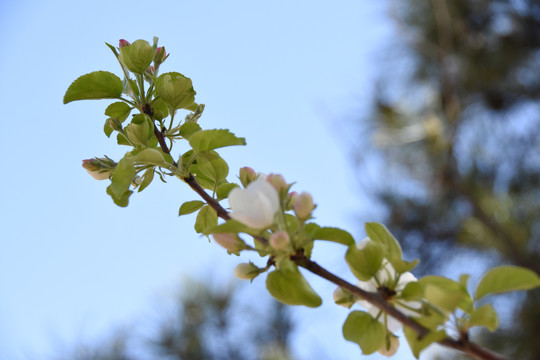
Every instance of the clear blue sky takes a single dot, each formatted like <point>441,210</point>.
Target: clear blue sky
<point>284,74</point>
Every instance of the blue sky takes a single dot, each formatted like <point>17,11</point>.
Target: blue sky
<point>286,75</point>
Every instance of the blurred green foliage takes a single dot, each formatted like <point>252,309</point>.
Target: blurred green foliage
<point>206,323</point>
<point>456,124</point>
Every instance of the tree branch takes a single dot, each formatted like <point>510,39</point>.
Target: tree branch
<point>464,345</point>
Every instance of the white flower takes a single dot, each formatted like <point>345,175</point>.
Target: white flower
<point>386,277</point>
<point>256,205</point>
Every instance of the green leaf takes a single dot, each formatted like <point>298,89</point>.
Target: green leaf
<point>118,110</point>
<point>107,129</point>
<point>484,316</point>
<point>188,129</point>
<point>379,233</point>
<point>445,293</point>
<point>121,180</point>
<point>231,226</point>
<point>361,328</point>
<point>94,86</point>
<point>417,345</point>
<point>138,56</point>
<point>140,130</point>
<point>122,140</point>
<point>147,178</point>
<point>211,165</point>
<point>190,206</point>
<point>505,279</point>
<point>223,190</point>
<point>175,90</point>
<point>334,234</point>
<point>206,219</point>
<point>149,156</point>
<point>364,263</point>
<point>288,285</point>
<point>212,139</point>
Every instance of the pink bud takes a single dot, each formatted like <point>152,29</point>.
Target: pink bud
<point>151,70</point>
<point>123,43</point>
<point>279,240</point>
<point>229,241</point>
<point>277,181</point>
<point>160,56</point>
<point>247,175</point>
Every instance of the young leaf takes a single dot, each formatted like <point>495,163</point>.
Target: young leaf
<point>147,178</point>
<point>379,233</point>
<point>93,86</point>
<point>364,263</point>
<point>210,164</point>
<point>505,279</point>
<point>417,345</point>
<point>288,285</point>
<point>138,56</point>
<point>118,110</point>
<point>212,139</point>
<point>206,219</point>
<point>223,190</point>
<point>190,206</point>
<point>445,293</point>
<point>121,180</point>
<point>334,234</point>
<point>188,129</point>
<point>361,328</point>
<point>484,316</point>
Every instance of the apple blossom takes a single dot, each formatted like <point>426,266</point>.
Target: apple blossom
<point>386,277</point>
<point>256,205</point>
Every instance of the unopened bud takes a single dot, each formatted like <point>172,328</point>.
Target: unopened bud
<point>279,240</point>
<point>343,298</point>
<point>123,43</point>
<point>246,271</point>
<point>391,346</point>
<point>277,181</point>
<point>115,124</point>
<point>160,56</point>
<point>99,168</point>
<point>230,241</point>
<point>303,205</point>
<point>247,175</point>
<point>151,70</point>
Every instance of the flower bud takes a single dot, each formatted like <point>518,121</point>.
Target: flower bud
<point>160,56</point>
<point>303,205</point>
<point>115,124</point>
<point>123,43</point>
<point>343,298</point>
<point>151,70</point>
<point>99,168</point>
<point>230,241</point>
<point>280,240</point>
<point>391,346</point>
<point>277,181</point>
<point>246,271</point>
<point>247,175</point>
